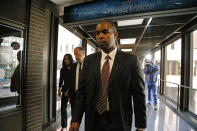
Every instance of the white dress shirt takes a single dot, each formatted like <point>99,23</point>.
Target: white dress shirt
<point>112,55</point>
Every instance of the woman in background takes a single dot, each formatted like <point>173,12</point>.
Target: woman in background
<point>65,83</point>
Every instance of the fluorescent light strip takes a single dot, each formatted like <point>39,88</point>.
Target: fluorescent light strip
<point>128,41</point>
<point>130,22</point>
<point>127,50</point>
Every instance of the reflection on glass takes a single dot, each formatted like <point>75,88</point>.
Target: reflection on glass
<point>157,58</point>
<point>173,69</point>
<point>192,93</point>
<point>90,49</point>
<point>11,42</point>
<point>194,41</point>
<point>67,41</point>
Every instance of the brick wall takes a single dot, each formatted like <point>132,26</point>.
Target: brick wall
<point>33,87</point>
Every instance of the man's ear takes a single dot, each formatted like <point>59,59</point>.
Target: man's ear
<point>116,35</point>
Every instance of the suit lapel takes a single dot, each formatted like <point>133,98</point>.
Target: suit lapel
<point>115,66</point>
<point>98,68</point>
<point>115,69</point>
<point>97,78</point>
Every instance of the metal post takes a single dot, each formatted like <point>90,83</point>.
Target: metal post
<point>178,99</point>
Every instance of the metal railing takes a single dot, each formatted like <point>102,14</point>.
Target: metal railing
<point>178,89</point>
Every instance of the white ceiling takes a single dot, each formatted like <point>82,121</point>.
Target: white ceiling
<point>58,2</point>
<point>64,3</point>
<point>67,2</point>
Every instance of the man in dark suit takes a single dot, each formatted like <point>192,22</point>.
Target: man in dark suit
<point>111,86</point>
<point>79,53</point>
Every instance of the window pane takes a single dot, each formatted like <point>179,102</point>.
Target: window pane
<point>157,59</point>
<point>90,49</point>
<point>173,69</point>
<point>67,41</point>
<point>11,45</point>
<point>192,93</point>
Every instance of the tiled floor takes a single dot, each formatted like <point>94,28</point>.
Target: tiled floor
<point>163,119</point>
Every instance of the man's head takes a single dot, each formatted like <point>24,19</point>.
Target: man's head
<point>79,53</point>
<point>106,35</point>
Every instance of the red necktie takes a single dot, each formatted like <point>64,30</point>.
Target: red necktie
<point>102,94</point>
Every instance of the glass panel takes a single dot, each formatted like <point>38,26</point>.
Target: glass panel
<point>157,59</point>
<point>192,93</point>
<point>90,49</point>
<point>11,45</point>
<point>67,41</point>
<point>173,69</point>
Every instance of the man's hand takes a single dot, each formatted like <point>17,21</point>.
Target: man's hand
<point>74,126</point>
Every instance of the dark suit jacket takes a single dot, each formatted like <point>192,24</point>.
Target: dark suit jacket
<point>71,91</point>
<point>126,85</point>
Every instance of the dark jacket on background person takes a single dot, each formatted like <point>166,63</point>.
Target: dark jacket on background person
<point>65,82</point>
<point>15,80</point>
<point>126,84</point>
<point>72,92</point>
<point>65,79</point>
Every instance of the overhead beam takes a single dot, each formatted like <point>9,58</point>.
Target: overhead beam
<point>150,19</point>
<point>134,45</point>
<point>89,36</point>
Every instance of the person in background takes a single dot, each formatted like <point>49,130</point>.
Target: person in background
<point>79,53</point>
<point>65,82</point>
<point>15,80</point>
<point>151,73</point>
<point>110,80</point>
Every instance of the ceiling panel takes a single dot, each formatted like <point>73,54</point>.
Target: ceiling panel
<point>180,19</point>
<point>147,41</point>
<point>147,36</point>
<point>90,28</point>
<point>130,32</point>
<point>162,31</point>
<point>58,2</point>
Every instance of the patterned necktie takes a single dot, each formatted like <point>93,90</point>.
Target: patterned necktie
<point>101,102</point>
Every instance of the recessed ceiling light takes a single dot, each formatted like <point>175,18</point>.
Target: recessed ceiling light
<point>130,22</point>
<point>127,50</point>
<point>128,41</point>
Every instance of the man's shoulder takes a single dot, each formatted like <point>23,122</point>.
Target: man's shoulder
<point>93,56</point>
<point>74,65</point>
<point>127,55</point>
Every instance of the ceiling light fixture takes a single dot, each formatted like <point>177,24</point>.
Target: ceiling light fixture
<point>130,22</point>
<point>127,50</point>
<point>128,41</point>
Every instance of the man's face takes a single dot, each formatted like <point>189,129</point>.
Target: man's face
<point>79,55</point>
<point>105,36</point>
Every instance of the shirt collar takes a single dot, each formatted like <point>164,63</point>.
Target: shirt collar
<point>112,54</point>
